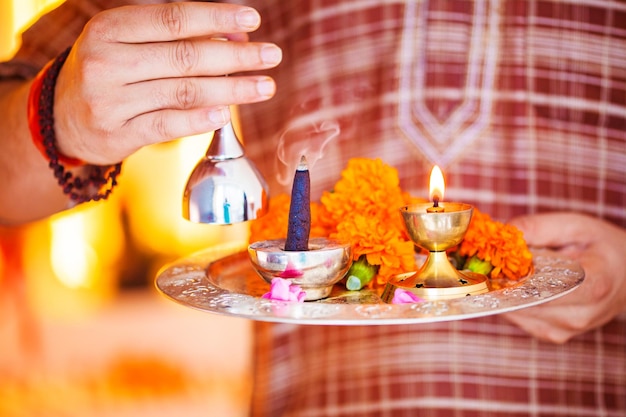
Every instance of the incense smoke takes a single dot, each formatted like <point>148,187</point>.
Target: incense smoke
<point>315,124</point>
<point>309,139</point>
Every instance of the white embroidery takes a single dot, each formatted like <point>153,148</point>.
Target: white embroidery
<point>442,139</point>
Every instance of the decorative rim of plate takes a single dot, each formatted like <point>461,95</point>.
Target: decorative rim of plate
<point>221,280</point>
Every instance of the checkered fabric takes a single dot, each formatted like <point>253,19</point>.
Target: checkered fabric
<point>479,367</point>
<point>522,104</point>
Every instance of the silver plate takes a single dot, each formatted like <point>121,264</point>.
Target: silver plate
<point>221,280</point>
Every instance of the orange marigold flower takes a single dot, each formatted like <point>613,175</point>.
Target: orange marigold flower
<point>500,244</point>
<point>367,187</point>
<point>382,245</point>
<point>319,228</point>
<point>364,206</point>
<point>274,224</point>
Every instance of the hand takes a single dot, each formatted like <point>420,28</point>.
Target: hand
<point>600,248</point>
<point>139,75</point>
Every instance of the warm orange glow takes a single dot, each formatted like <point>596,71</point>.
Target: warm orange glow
<point>17,15</point>
<point>72,261</point>
<point>437,184</point>
<point>72,258</point>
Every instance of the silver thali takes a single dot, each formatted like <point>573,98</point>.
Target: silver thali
<point>221,280</point>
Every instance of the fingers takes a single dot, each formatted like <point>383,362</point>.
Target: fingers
<point>552,229</point>
<point>160,115</point>
<point>175,123</point>
<point>193,58</point>
<point>173,108</point>
<point>559,320</point>
<point>539,328</point>
<point>183,94</point>
<point>156,127</point>
<point>145,74</point>
<point>172,21</point>
<point>556,321</point>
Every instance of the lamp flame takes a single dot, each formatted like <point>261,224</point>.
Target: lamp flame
<point>437,184</point>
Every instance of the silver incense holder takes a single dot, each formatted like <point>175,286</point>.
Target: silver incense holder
<point>315,270</point>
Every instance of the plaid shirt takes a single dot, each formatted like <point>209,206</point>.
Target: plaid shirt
<point>523,105</point>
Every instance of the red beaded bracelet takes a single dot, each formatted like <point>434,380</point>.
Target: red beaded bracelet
<point>100,180</point>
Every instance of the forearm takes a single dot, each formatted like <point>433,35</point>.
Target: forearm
<point>28,188</point>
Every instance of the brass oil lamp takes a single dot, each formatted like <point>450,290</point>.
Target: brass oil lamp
<point>437,227</point>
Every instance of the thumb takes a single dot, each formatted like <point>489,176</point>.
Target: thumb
<point>552,230</point>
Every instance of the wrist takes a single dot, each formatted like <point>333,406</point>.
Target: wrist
<point>40,96</point>
<point>97,182</point>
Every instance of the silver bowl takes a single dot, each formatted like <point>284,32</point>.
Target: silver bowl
<point>316,271</point>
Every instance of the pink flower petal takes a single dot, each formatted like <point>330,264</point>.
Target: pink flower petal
<point>284,290</point>
<point>401,296</point>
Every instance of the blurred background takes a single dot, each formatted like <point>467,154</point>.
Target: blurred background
<point>83,331</point>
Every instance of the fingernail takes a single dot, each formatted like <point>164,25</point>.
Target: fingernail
<point>265,87</point>
<point>248,18</point>
<point>271,54</point>
<point>219,116</point>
